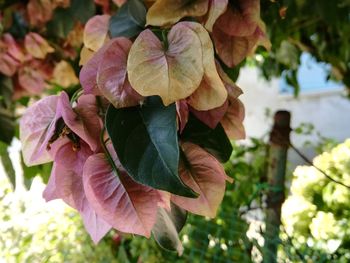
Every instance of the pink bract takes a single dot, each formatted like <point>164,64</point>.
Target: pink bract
<point>126,205</point>
<point>112,78</point>
<point>66,183</point>
<point>205,176</point>
<point>240,21</point>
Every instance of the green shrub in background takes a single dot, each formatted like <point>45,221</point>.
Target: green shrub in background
<point>317,213</point>
<point>31,233</point>
<point>316,219</point>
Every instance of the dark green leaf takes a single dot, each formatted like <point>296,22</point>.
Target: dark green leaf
<point>167,227</point>
<point>61,24</point>
<point>7,126</point>
<point>145,139</point>
<point>232,73</point>
<point>130,19</point>
<point>215,141</point>
<point>82,10</point>
<point>6,92</point>
<point>64,18</point>
<point>7,163</point>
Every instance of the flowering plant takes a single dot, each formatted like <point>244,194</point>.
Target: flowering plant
<point>143,141</point>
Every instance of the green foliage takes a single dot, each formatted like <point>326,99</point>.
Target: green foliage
<point>44,233</point>
<point>318,210</point>
<point>145,139</point>
<point>320,28</point>
<point>130,19</point>
<point>7,120</point>
<point>215,141</point>
<point>7,163</point>
<point>224,238</point>
<point>64,18</point>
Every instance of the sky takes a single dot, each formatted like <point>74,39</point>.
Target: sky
<point>312,76</point>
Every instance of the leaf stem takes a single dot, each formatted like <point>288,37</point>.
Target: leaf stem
<point>107,153</point>
<point>165,40</point>
<point>76,95</point>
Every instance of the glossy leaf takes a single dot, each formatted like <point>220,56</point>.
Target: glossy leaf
<point>177,69</point>
<point>214,141</point>
<point>126,205</point>
<point>129,21</point>
<point>167,227</point>
<point>168,12</point>
<point>202,172</point>
<point>145,139</point>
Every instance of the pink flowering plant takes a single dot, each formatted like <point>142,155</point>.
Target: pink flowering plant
<point>143,141</point>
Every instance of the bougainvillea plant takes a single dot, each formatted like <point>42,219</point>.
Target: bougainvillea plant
<point>142,142</point>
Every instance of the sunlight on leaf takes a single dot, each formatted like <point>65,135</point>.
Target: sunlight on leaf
<point>177,70</point>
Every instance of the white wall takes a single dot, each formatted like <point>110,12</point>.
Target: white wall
<point>328,111</point>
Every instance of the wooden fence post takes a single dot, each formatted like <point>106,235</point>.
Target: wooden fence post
<point>277,161</point>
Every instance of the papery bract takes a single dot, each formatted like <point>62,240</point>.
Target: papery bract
<point>64,75</point>
<point>66,183</point>
<point>232,50</point>
<point>241,18</point>
<point>168,12</point>
<point>37,46</point>
<point>10,55</point>
<point>34,124</point>
<point>211,117</point>
<point>12,48</point>
<point>172,72</point>
<point>31,79</point>
<point>112,79</point>
<point>96,32</point>
<point>126,205</point>
<point>216,9</point>
<point>85,55</point>
<point>8,65</point>
<point>232,121</point>
<point>211,92</point>
<point>83,120</point>
<point>39,11</point>
<point>205,175</point>
<point>182,114</point>
<point>88,73</point>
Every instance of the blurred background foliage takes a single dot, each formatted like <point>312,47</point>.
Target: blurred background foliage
<point>320,28</point>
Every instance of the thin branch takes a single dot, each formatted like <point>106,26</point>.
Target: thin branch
<point>307,160</point>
